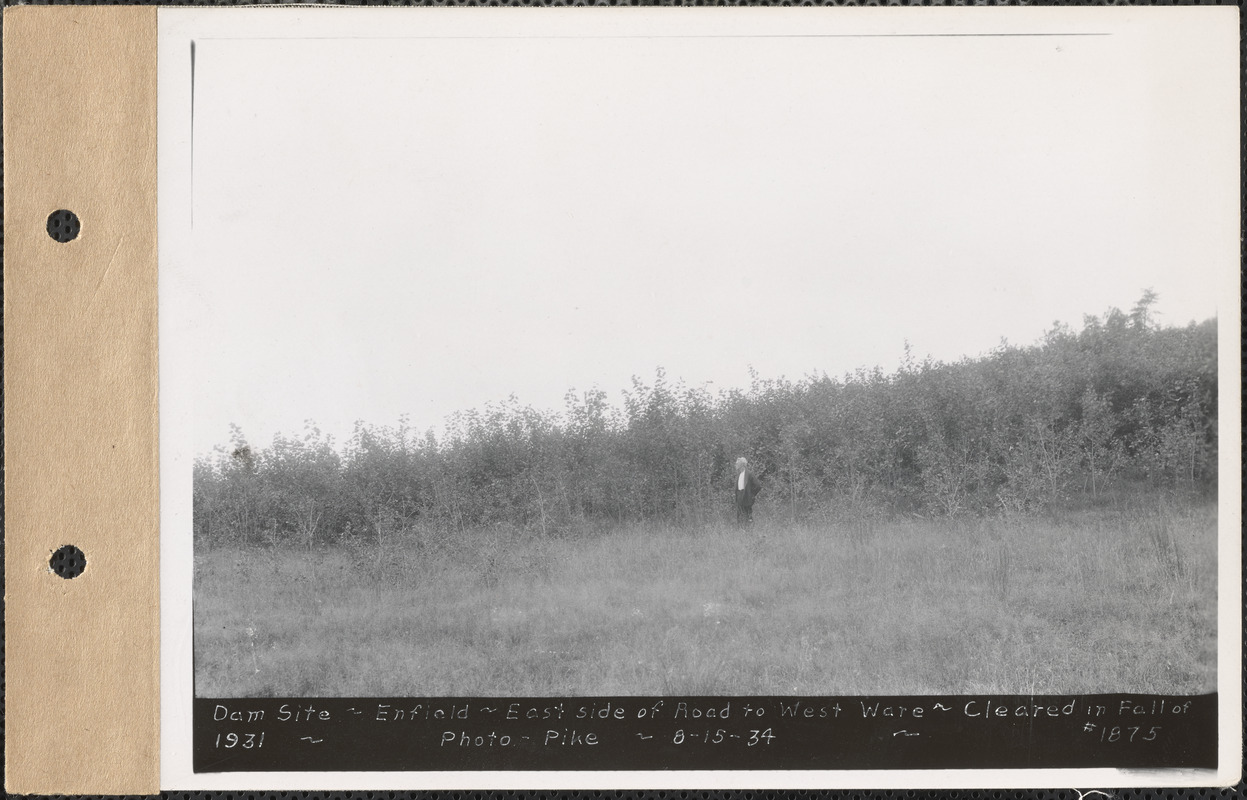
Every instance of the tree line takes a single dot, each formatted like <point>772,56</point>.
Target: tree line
<point>1123,402</point>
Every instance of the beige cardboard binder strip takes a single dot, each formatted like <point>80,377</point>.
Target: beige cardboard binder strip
<point>80,389</point>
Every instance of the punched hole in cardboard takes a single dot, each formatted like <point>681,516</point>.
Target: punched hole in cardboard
<point>63,225</point>
<point>68,562</point>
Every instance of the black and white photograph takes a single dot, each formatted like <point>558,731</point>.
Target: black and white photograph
<point>635,365</point>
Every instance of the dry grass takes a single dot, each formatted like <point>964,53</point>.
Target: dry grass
<point>1090,601</point>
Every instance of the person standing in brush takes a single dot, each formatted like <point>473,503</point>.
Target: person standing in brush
<point>747,488</point>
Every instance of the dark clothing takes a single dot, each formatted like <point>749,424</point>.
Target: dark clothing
<point>744,497</point>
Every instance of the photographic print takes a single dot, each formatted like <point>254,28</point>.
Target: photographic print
<point>705,372</point>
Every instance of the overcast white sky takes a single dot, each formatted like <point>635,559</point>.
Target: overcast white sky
<point>424,225</point>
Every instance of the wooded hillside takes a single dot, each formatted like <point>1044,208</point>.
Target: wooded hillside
<point>1122,402</point>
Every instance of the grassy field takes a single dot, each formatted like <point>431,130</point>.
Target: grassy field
<point>1077,602</point>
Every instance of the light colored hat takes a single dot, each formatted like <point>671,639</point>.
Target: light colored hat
<point>741,462</point>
